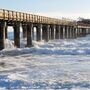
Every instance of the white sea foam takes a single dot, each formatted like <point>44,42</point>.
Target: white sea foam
<point>57,64</point>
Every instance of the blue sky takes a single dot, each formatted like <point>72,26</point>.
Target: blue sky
<point>54,8</point>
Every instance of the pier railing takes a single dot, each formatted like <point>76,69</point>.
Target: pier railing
<point>25,17</point>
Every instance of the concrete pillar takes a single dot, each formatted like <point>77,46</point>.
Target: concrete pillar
<point>78,32</point>
<point>2,35</point>
<point>88,30</point>
<point>52,31</point>
<point>83,32</point>
<point>69,32</point>
<point>72,32</point>
<point>49,33</point>
<point>57,32</point>
<point>45,29</point>
<point>24,27</point>
<point>61,32</point>
<point>75,33</point>
<point>29,34</point>
<point>33,33</point>
<point>17,34</point>
<point>66,31</point>
<point>43,33</point>
<point>38,32</point>
<point>6,32</point>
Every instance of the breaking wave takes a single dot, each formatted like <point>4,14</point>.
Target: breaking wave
<point>54,65</point>
<point>80,46</point>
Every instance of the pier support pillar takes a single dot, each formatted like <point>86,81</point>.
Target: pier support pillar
<point>75,33</point>
<point>24,31</point>
<point>65,32</point>
<point>83,32</point>
<point>2,35</point>
<point>6,32</point>
<point>45,34</point>
<point>38,32</point>
<point>78,32</point>
<point>52,31</point>
<point>57,32</point>
<point>72,32</point>
<point>69,32</point>
<point>61,32</point>
<point>33,34</point>
<point>49,33</point>
<point>17,34</point>
<point>88,30</point>
<point>29,34</point>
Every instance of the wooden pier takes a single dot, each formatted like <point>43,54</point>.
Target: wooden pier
<point>46,28</point>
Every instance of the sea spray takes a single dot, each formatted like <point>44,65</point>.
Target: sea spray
<point>57,64</point>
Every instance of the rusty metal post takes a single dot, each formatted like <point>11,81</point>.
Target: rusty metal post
<point>2,34</point>
<point>17,34</point>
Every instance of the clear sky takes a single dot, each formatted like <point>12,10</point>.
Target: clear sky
<point>54,8</point>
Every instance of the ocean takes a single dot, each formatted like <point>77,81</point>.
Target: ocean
<point>55,65</point>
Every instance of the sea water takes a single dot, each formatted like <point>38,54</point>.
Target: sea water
<point>54,65</point>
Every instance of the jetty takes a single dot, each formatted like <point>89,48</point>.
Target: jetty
<point>47,28</point>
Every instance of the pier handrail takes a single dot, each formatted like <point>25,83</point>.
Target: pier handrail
<point>26,17</point>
